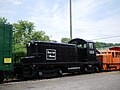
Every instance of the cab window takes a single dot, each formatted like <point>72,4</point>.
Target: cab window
<point>91,46</point>
<point>117,54</point>
<point>82,45</point>
<point>112,54</point>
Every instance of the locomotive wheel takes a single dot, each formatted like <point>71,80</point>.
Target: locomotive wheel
<point>60,73</point>
<point>86,69</point>
<point>40,74</point>
<point>1,76</point>
<point>97,69</point>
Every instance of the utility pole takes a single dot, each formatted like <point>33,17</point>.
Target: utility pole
<point>70,20</point>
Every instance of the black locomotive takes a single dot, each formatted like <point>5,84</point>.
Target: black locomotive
<point>44,58</point>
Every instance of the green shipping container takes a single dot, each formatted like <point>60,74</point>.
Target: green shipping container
<point>6,63</point>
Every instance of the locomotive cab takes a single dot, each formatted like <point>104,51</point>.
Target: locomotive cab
<point>86,49</point>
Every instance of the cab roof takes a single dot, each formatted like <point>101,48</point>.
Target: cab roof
<point>80,40</point>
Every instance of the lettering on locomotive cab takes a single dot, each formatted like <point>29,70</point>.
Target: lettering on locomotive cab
<point>50,54</point>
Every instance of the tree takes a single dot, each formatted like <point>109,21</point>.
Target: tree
<point>103,45</point>
<point>98,45</point>
<point>3,20</point>
<point>22,31</point>
<point>40,35</point>
<point>65,40</point>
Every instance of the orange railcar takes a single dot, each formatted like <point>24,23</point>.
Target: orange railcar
<point>110,59</point>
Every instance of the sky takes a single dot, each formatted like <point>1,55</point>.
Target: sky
<point>97,20</point>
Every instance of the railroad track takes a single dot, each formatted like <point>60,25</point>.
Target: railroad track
<point>52,77</point>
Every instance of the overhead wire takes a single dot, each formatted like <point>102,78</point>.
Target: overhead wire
<point>107,37</point>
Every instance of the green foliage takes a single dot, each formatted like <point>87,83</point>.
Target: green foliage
<point>22,31</point>
<point>103,45</point>
<point>40,35</point>
<point>18,51</point>
<point>3,20</point>
<point>65,40</point>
